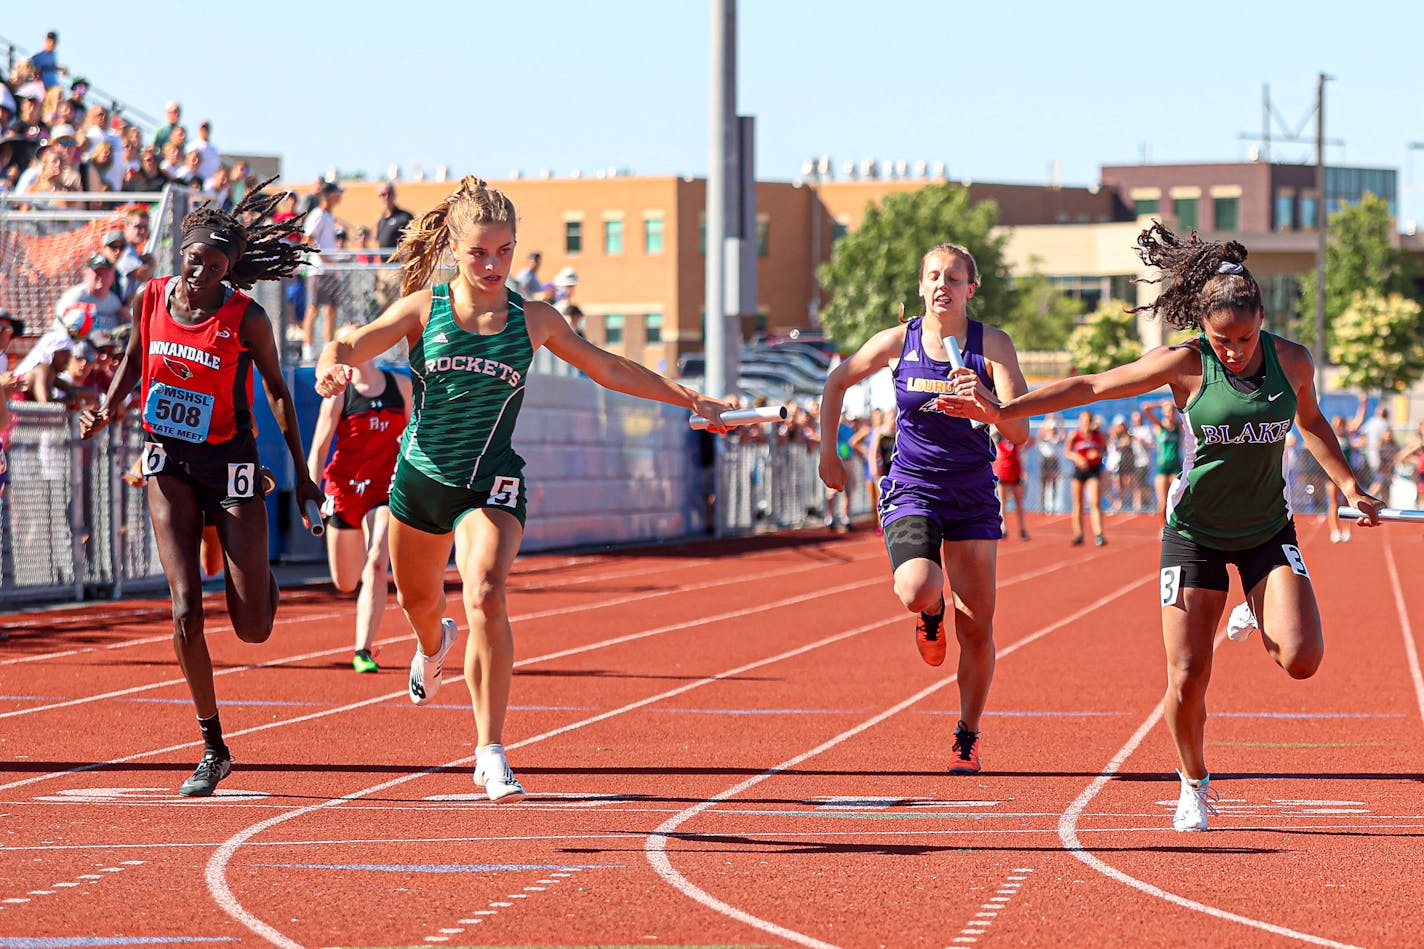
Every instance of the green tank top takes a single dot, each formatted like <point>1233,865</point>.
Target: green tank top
<point>1231,494</point>
<point>466,391</point>
<point>1169,449</point>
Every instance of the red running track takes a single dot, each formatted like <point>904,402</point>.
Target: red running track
<point>730,744</point>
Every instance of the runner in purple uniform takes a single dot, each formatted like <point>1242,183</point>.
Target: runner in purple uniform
<point>937,502</point>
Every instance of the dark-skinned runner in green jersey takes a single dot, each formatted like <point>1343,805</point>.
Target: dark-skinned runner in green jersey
<point>1240,391</point>
<point>459,480</point>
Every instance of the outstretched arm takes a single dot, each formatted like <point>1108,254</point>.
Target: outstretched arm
<point>548,328</point>
<point>403,319</point>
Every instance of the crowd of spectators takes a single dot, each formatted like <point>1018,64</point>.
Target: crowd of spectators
<point>54,140</point>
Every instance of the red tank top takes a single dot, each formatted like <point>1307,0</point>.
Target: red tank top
<point>368,436</point>
<point>1007,466</point>
<point>196,379</point>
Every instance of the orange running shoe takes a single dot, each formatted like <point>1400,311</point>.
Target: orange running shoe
<point>929,636</point>
<point>965,759</point>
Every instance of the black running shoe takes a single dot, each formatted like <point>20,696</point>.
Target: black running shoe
<point>212,769</point>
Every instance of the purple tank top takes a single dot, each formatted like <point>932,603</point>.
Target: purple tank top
<point>928,443</point>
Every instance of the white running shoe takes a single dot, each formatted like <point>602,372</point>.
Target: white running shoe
<point>1241,623</point>
<point>425,671</point>
<point>493,774</point>
<point>1194,803</point>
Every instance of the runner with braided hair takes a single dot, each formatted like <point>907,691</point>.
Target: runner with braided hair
<point>196,337</point>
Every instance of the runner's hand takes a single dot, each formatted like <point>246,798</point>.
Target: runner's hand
<point>91,421</point>
<point>332,380</point>
<point>711,409</point>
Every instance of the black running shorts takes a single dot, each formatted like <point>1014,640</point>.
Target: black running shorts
<point>1186,563</point>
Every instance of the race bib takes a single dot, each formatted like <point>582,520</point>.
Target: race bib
<point>505,491</point>
<point>178,413</point>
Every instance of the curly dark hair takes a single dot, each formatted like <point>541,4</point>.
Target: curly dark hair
<point>263,251</point>
<point>1198,277</point>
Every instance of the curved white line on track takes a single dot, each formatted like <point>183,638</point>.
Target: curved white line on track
<point>216,873</point>
<point>1068,834</point>
<point>656,847</point>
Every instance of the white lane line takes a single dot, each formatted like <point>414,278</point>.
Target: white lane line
<point>394,608</point>
<point>656,847</point>
<point>1405,627</point>
<point>547,657</point>
<point>216,873</point>
<point>342,650</point>
<point>1068,834</point>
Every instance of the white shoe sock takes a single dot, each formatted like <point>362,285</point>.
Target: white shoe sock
<point>492,772</point>
<point>1241,623</point>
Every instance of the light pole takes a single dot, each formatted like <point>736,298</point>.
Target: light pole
<point>1320,219</point>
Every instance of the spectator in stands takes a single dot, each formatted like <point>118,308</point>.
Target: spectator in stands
<point>192,160</point>
<point>312,199</point>
<point>128,158</point>
<point>240,179</point>
<point>135,234</point>
<point>95,130</point>
<point>94,294</point>
<point>150,175</point>
<point>78,89</point>
<point>173,162</point>
<point>14,156</point>
<point>179,137</point>
<point>11,326</point>
<point>565,282</point>
<point>28,121</point>
<point>112,247</point>
<point>527,283</point>
<point>574,316</point>
<point>41,373</point>
<point>210,159</point>
<point>320,231</point>
<point>393,218</point>
<point>46,61</point>
<point>161,134</point>
<point>50,173</point>
<point>1387,454</point>
<point>7,108</point>
<point>220,187</point>
<point>287,211</point>
<point>364,242</point>
<point>25,80</point>
<point>98,173</point>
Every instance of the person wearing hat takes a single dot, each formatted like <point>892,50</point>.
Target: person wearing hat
<point>320,230</point>
<point>40,376</point>
<point>96,289</point>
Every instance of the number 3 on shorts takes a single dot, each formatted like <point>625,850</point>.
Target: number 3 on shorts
<point>240,479</point>
<point>504,491</point>
<point>1171,582</point>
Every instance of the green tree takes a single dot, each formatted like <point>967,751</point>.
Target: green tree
<point>1378,342</point>
<point>1043,317</point>
<point>1360,256</point>
<point>1107,338</point>
<point>875,269</point>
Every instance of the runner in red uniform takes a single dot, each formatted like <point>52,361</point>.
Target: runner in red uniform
<point>367,422</point>
<point>1008,468</point>
<point>196,337</point>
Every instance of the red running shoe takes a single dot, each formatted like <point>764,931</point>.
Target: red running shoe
<point>929,636</point>
<point>965,757</point>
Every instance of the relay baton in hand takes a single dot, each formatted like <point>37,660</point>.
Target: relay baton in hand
<point>735,417</point>
<point>314,522</point>
<point>1384,513</point>
<point>956,359</point>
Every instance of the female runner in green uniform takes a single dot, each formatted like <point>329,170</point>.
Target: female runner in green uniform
<point>471,343</point>
<point>1239,390</point>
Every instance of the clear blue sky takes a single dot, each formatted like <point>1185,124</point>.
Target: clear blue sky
<point>998,91</point>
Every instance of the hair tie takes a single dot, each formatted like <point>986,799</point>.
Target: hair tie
<point>1230,267</point>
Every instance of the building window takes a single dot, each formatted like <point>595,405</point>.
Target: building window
<point>1285,211</point>
<point>838,230</point>
<point>702,235</point>
<point>1308,212</point>
<point>573,237</point>
<point>652,235</point>
<point>1144,207</point>
<point>613,236</point>
<point>613,329</point>
<point>653,328</point>
<point>1228,213</point>
<point>1186,209</point>
<point>763,235</point>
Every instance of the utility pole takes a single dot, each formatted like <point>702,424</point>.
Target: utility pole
<point>1320,219</point>
<point>720,379</point>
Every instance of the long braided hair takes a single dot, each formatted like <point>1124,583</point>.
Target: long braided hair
<point>1198,277</point>
<point>260,250</point>
<point>426,239</point>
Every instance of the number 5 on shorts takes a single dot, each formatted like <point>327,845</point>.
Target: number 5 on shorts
<point>505,491</point>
